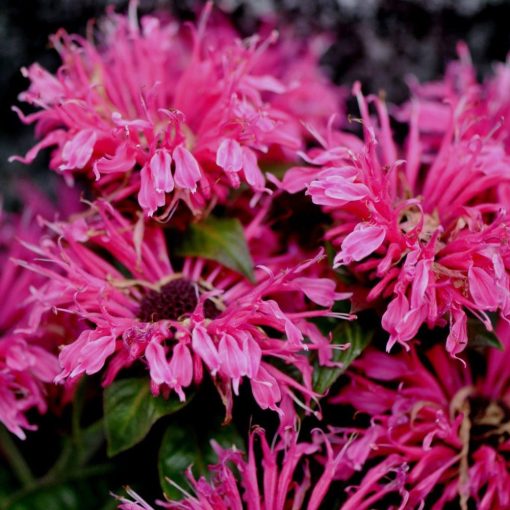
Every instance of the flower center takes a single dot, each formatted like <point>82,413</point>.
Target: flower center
<point>490,422</point>
<point>174,300</point>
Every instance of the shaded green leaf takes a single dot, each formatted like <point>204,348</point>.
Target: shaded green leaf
<point>130,410</point>
<point>221,240</point>
<point>78,490</point>
<point>183,447</point>
<point>480,337</point>
<point>345,332</point>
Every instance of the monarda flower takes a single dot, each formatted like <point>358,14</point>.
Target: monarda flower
<point>278,479</point>
<point>439,433</point>
<point>169,112</point>
<point>430,235</point>
<point>183,315</point>
<point>485,105</point>
<point>26,364</point>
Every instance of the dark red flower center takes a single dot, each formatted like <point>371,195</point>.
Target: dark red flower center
<point>174,300</point>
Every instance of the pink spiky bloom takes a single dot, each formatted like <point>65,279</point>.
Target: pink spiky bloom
<point>170,112</point>
<point>440,433</point>
<point>429,231</point>
<point>26,365</point>
<point>182,317</point>
<point>485,104</point>
<point>278,479</point>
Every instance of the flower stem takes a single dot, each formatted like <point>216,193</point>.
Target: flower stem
<point>14,458</point>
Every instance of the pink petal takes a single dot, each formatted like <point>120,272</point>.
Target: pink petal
<point>420,283</point>
<point>181,367</point>
<point>266,390</point>
<point>297,178</point>
<point>204,346</point>
<point>77,151</point>
<point>457,338</point>
<point>360,243</point>
<point>122,161</point>
<point>161,172</point>
<point>483,288</point>
<point>319,290</point>
<point>158,365</point>
<point>253,355</point>
<point>148,198</point>
<point>229,156</point>
<point>187,170</point>
<point>233,360</point>
<point>253,174</point>
<point>346,190</point>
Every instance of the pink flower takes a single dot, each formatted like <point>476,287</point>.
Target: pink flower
<point>172,112</point>
<point>278,478</point>
<point>181,316</point>
<point>442,427</point>
<point>428,233</point>
<point>26,361</point>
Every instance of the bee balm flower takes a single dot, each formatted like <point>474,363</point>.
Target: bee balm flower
<point>429,235</point>
<point>442,427</point>
<point>170,112</point>
<point>279,480</point>
<point>180,316</point>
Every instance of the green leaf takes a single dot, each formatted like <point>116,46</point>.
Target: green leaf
<point>479,337</point>
<point>183,447</point>
<point>130,410</point>
<point>77,489</point>
<point>219,239</point>
<point>345,332</point>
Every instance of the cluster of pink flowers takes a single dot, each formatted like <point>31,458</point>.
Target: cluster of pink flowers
<point>187,142</point>
<point>442,429</point>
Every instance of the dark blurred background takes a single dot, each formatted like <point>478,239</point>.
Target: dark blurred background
<point>377,41</point>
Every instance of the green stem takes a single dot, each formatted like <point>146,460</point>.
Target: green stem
<point>14,458</point>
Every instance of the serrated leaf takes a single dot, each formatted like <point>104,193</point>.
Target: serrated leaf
<point>345,332</point>
<point>221,240</point>
<point>183,447</point>
<point>480,337</point>
<point>130,410</point>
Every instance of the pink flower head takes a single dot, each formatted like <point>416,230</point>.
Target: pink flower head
<point>171,112</point>
<point>180,316</point>
<point>26,364</point>
<point>485,106</point>
<point>428,232</point>
<point>439,432</point>
<point>277,479</point>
